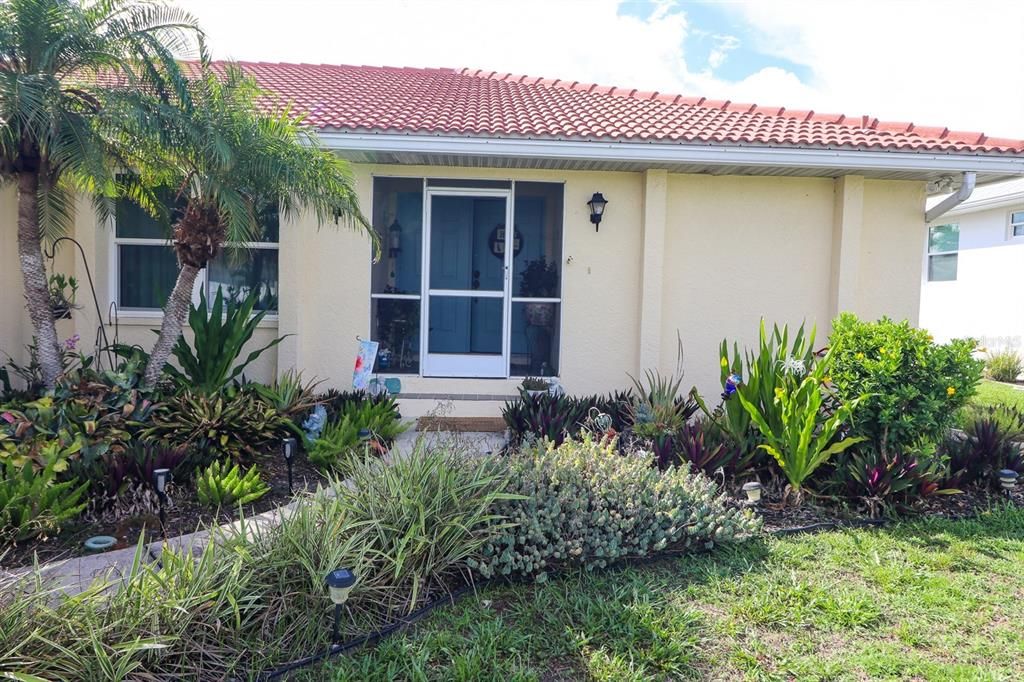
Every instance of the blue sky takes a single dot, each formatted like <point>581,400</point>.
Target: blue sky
<point>719,40</point>
<point>932,62</point>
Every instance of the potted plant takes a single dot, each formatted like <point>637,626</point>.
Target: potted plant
<point>536,386</point>
<point>63,291</point>
<point>539,280</point>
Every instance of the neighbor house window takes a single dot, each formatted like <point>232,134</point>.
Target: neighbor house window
<point>147,267</point>
<point>1017,224</point>
<point>943,244</point>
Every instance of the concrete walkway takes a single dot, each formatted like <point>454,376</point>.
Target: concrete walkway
<point>74,575</point>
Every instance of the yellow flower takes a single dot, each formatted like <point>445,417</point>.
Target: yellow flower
<point>725,362</point>
<point>779,393</point>
<point>930,338</point>
<point>860,356</point>
<point>950,391</point>
<point>882,351</point>
<point>828,380</point>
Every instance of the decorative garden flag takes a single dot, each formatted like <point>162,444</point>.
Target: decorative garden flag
<point>364,364</point>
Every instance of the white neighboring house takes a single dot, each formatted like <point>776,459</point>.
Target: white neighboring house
<point>973,275</point>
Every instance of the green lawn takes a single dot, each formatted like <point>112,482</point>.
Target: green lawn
<point>931,600</point>
<point>993,392</point>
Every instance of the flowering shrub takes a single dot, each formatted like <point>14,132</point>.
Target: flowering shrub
<point>581,504</point>
<point>914,387</point>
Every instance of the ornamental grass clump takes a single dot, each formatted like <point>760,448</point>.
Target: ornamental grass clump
<point>582,504</point>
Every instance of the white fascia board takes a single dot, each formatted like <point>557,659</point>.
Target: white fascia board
<point>670,153</point>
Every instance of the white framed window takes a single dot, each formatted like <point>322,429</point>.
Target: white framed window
<point>943,248</point>
<point>145,267</point>
<point>1016,230</point>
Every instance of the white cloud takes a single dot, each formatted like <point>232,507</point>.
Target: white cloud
<point>723,46</point>
<point>936,63</point>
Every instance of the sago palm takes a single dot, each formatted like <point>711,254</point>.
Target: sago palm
<point>56,138</point>
<point>225,161</point>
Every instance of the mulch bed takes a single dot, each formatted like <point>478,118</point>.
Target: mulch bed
<point>183,515</point>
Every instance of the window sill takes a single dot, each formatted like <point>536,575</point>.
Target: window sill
<point>141,318</point>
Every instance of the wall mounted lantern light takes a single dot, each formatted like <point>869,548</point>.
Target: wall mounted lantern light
<point>597,204</point>
<point>394,238</point>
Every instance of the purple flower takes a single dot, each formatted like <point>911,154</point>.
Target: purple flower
<point>71,342</point>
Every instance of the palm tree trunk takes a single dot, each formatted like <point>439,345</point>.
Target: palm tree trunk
<point>33,274</point>
<point>175,314</point>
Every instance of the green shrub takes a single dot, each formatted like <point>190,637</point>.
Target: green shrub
<point>913,386</point>
<point>208,365</point>
<point>237,425</point>
<point>220,486</point>
<point>32,502</point>
<point>582,505</point>
<point>1004,365</point>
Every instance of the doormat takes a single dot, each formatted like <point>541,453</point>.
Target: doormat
<point>487,424</point>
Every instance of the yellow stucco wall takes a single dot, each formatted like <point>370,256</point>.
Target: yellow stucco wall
<point>735,249</point>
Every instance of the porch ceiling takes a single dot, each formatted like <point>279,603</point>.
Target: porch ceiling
<point>581,155</point>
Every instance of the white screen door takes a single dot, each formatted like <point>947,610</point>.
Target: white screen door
<point>466,266</point>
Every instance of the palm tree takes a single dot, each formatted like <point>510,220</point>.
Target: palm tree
<point>225,162</point>
<point>55,137</point>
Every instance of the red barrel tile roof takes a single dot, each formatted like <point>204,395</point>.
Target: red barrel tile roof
<point>484,103</point>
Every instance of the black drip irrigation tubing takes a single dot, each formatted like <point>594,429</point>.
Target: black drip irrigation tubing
<point>829,525</point>
<point>372,637</point>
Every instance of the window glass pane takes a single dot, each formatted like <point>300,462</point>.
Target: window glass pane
<point>467,243</point>
<point>942,268</point>
<point>943,238</point>
<point>396,325</point>
<point>147,275</point>
<point>535,330</point>
<point>463,324</point>
<point>1017,217</point>
<point>398,219</point>
<point>131,221</point>
<point>537,263</point>
<point>1018,230</point>
<point>238,272</point>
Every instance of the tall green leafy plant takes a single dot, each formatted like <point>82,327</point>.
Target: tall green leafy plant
<point>799,433</point>
<point>208,365</point>
<point>755,374</point>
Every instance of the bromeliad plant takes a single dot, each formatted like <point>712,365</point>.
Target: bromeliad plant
<point>208,365</point>
<point>799,433</point>
<point>219,486</point>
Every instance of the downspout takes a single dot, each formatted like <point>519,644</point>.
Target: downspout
<point>954,199</point>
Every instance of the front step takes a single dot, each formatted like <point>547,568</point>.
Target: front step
<point>452,405</point>
<point>461,424</point>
